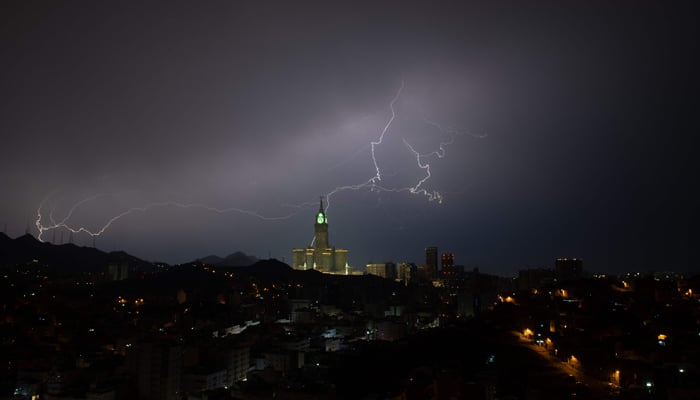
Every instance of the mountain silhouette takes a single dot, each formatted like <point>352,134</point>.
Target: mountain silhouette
<point>210,260</point>
<point>28,251</point>
<point>237,259</point>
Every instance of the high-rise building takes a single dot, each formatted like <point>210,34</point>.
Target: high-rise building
<point>447,260</point>
<point>321,256</point>
<point>431,262</point>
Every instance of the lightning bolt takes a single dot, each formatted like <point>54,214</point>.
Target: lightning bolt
<point>371,182</point>
<point>374,184</point>
<point>378,176</point>
<point>97,232</point>
<point>426,167</point>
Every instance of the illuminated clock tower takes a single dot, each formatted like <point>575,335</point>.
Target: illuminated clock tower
<point>320,255</point>
<point>321,228</point>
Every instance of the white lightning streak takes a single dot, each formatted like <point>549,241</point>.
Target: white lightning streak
<point>373,184</point>
<point>378,177</point>
<point>426,167</point>
<point>62,224</point>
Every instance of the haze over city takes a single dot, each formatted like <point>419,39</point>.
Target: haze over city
<point>550,130</point>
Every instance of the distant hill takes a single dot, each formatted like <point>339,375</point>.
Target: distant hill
<point>211,260</point>
<point>68,258</point>
<point>237,259</point>
<point>27,250</point>
<point>270,270</point>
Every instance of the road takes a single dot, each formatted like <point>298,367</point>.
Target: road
<point>599,389</point>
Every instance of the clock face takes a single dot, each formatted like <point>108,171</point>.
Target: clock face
<point>320,218</point>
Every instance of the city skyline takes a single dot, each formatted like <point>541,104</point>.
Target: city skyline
<point>508,134</point>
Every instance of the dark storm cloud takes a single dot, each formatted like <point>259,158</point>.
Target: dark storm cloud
<point>588,111</point>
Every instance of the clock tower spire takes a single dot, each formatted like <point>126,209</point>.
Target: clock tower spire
<point>320,255</point>
<point>321,228</point>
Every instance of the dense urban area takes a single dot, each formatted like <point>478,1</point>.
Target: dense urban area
<point>78,323</point>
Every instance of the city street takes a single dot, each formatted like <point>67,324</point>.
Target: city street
<point>597,388</point>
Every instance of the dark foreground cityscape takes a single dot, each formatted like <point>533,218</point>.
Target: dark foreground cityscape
<point>78,323</point>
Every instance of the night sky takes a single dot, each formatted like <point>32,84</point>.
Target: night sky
<point>567,128</point>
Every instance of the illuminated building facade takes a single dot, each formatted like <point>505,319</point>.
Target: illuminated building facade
<point>385,270</point>
<point>321,256</point>
<point>448,260</point>
<point>403,272</point>
<point>450,272</point>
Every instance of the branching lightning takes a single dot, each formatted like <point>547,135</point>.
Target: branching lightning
<point>97,232</point>
<point>426,167</point>
<point>374,184</point>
